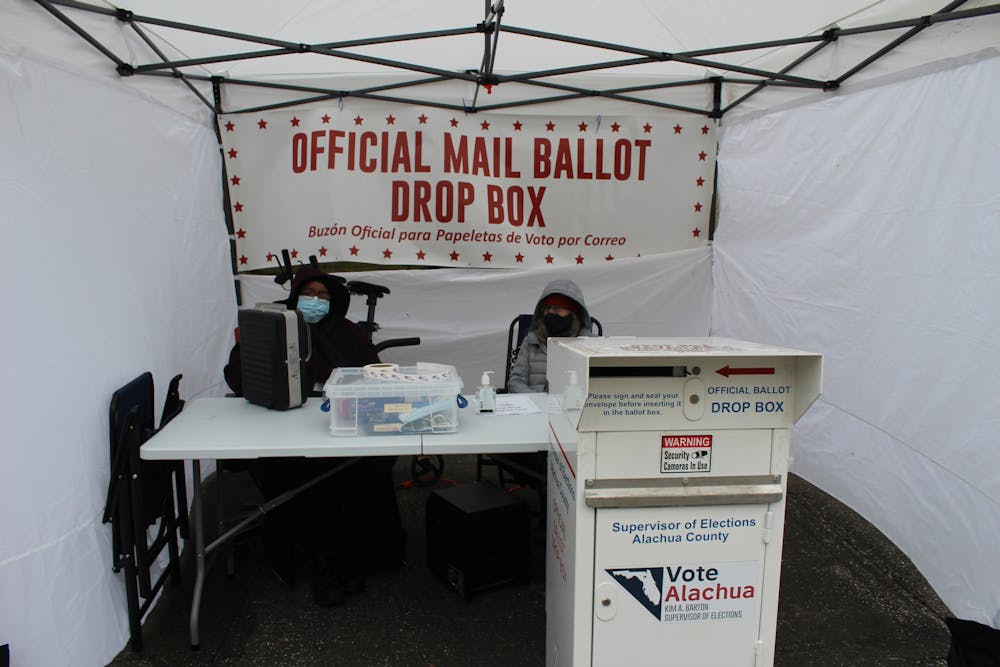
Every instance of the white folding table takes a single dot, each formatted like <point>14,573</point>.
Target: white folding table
<point>232,428</point>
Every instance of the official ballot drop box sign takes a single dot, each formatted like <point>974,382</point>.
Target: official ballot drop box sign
<point>668,464</point>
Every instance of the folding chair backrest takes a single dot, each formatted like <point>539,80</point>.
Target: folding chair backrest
<point>156,483</point>
<point>173,403</point>
<point>139,394</point>
<point>516,332</point>
<point>139,493</point>
<point>519,328</point>
<point>172,406</point>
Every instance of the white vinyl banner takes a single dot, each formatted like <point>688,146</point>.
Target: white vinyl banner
<point>393,184</point>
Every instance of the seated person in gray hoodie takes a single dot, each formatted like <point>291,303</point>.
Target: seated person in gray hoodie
<point>560,312</point>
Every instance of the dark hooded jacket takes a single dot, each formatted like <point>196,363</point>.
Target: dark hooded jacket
<point>528,374</point>
<point>336,341</point>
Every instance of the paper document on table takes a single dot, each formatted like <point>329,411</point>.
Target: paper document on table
<point>515,404</point>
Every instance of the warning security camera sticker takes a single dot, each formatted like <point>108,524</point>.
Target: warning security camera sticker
<point>686,453</point>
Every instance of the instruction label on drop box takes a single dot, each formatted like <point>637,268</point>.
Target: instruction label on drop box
<point>686,453</point>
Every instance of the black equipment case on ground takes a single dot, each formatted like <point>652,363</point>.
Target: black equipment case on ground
<point>477,537</point>
<point>274,346</point>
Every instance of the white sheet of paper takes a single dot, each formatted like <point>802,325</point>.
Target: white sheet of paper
<point>515,404</point>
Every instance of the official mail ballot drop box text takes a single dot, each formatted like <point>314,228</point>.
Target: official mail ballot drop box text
<point>668,464</point>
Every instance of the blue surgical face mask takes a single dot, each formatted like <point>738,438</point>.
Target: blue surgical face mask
<point>313,308</point>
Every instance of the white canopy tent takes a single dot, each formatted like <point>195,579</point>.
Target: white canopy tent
<point>860,222</point>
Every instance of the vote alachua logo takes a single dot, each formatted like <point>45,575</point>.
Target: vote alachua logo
<point>645,585</point>
<point>720,591</point>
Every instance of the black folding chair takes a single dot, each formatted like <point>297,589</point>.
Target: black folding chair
<point>530,468</point>
<point>140,493</point>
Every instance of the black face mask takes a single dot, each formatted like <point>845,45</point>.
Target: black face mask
<point>557,325</point>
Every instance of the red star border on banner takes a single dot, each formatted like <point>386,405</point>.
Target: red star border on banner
<point>564,157</point>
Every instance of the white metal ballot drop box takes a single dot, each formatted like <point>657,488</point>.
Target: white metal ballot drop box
<point>668,464</point>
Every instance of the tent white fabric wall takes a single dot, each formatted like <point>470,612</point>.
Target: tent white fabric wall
<point>866,227</point>
<point>115,261</point>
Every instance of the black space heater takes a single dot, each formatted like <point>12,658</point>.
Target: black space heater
<point>274,347</point>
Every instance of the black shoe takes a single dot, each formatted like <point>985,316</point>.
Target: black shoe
<point>327,590</point>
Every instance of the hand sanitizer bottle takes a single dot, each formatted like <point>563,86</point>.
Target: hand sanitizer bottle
<point>573,398</point>
<point>487,394</point>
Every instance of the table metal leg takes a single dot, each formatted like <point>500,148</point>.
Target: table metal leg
<point>199,551</point>
<point>220,516</point>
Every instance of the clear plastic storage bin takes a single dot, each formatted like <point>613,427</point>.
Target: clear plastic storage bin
<point>385,399</point>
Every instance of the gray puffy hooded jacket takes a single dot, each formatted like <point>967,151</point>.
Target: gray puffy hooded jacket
<point>528,372</point>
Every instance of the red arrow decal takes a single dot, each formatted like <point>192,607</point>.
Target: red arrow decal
<point>726,371</point>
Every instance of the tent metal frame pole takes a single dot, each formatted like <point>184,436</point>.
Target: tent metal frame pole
<point>716,98</point>
<point>579,93</point>
<point>657,86</point>
<point>365,96</point>
<point>709,64</point>
<point>309,89</point>
<point>915,30</point>
<point>397,64</point>
<point>87,37</point>
<point>498,11</point>
<point>938,17</point>
<point>177,25</point>
<point>798,61</point>
<point>765,74</point>
<point>491,28</point>
<point>524,77</point>
<point>227,202</point>
<point>306,48</point>
<point>177,73</point>
<point>290,48</point>
<point>322,93</point>
<point>662,56</point>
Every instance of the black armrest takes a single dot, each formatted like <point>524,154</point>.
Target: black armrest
<point>368,289</point>
<point>397,342</point>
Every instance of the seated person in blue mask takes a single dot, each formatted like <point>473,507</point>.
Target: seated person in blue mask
<point>560,312</point>
<point>348,524</point>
